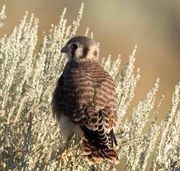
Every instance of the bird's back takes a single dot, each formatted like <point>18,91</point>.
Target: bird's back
<point>88,85</point>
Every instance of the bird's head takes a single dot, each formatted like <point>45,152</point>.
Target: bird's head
<point>80,49</point>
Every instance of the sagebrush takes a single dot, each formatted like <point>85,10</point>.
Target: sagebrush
<point>29,135</point>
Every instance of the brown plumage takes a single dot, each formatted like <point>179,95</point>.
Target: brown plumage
<point>84,100</point>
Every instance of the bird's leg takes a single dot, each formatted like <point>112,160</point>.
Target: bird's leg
<point>64,153</point>
<point>68,140</point>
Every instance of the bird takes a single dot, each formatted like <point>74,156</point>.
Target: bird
<point>84,101</point>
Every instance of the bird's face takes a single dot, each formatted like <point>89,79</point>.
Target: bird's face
<point>80,49</point>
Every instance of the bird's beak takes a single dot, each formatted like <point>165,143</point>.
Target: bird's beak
<point>64,50</point>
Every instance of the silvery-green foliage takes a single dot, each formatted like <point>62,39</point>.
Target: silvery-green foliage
<point>29,134</point>
<point>167,154</point>
<point>2,16</point>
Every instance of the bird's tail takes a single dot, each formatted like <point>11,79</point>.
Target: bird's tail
<point>96,153</point>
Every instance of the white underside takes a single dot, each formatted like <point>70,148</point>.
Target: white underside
<point>68,128</point>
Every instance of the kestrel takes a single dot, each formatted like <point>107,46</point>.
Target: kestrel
<point>84,101</point>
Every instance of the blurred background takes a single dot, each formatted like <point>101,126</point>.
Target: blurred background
<point>119,25</point>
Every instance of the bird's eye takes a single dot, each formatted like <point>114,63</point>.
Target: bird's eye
<point>74,46</point>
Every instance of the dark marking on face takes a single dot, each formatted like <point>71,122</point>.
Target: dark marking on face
<point>85,52</point>
<point>95,53</point>
<point>74,46</point>
<point>73,52</point>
